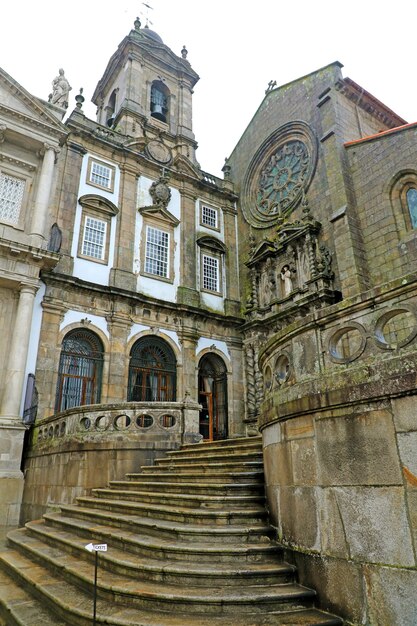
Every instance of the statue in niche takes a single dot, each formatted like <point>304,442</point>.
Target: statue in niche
<point>60,90</point>
<point>286,281</point>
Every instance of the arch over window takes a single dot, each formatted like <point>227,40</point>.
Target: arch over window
<point>159,100</point>
<point>152,371</point>
<point>80,370</point>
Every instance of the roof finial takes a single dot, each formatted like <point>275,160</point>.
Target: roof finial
<point>184,52</point>
<point>137,24</point>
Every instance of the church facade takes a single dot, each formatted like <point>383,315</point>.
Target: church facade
<point>152,304</point>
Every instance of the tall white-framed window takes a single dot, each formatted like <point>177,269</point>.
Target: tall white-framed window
<point>210,273</point>
<point>95,228</point>
<point>157,253</point>
<point>12,191</point>
<point>209,216</point>
<point>100,174</point>
<point>94,238</point>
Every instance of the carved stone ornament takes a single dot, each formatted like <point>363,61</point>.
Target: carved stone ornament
<point>158,152</point>
<point>290,274</point>
<point>279,174</point>
<point>160,192</point>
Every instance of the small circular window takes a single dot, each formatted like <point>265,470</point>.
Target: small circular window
<point>347,344</point>
<point>85,423</point>
<point>122,422</point>
<point>282,369</point>
<point>395,329</point>
<point>102,422</point>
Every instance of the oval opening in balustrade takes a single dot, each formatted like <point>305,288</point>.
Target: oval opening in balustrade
<point>144,421</point>
<point>102,422</point>
<point>347,343</point>
<point>122,422</point>
<point>395,329</point>
<point>167,421</point>
<point>85,423</point>
<point>62,428</point>
<point>282,369</point>
<point>268,378</point>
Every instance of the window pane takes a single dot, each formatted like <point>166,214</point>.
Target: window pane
<point>11,197</point>
<point>210,273</point>
<point>209,216</point>
<point>412,205</point>
<point>100,175</point>
<point>94,238</point>
<point>157,252</point>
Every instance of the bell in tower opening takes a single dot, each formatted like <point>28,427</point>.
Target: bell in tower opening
<point>159,100</point>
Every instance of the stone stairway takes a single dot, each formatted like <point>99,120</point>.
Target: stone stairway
<point>188,545</point>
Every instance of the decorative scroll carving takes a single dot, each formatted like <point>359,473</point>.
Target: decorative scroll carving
<point>250,381</point>
<point>259,385</point>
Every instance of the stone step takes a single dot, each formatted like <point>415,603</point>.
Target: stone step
<point>165,465</point>
<point>209,459</point>
<point>41,541</point>
<point>148,545</point>
<point>20,608</point>
<point>231,478</point>
<point>177,514</point>
<point>117,590</point>
<point>125,525</point>
<point>183,500</point>
<point>203,488</point>
<point>227,446</point>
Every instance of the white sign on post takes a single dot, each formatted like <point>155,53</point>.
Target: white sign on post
<point>96,547</point>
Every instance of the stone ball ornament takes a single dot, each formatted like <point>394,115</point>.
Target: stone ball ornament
<point>279,174</point>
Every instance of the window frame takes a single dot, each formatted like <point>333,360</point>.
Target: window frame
<point>205,205</point>
<point>168,229</point>
<point>212,257</point>
<point>112,169</point>
<point>18,175</point>
<point>215,249</point>
<point>97,208</point>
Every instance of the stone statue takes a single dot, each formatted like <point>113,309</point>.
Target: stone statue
<point>60,90</point>
<point>286,279</point>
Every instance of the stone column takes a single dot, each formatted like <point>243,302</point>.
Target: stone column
<point>119,327</point>
<point>16,365</point>
<point>188,386</point>
<point>41,204</point>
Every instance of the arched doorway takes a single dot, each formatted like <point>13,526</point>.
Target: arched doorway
<point>80,370</point>
<point>152,371</point>
<point>212,395</point>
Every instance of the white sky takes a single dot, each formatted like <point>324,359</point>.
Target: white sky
<point>235,46</point>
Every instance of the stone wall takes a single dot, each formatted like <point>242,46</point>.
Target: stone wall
<point>340,442</point>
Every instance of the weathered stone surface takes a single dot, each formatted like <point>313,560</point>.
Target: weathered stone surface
<point>407,444</point>
<point>278,467</point>
<point>391,596</point>
<point>340,584</point>
<point>376,524</point>
<point>304,461</point>
<point>271,435</point>
<point>299,516</point>
<point>405,413</point>
<point>358,450</point>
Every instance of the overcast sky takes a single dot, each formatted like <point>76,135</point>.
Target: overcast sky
<point>236,47</point>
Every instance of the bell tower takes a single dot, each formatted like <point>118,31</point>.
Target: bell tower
<point>146,92</point>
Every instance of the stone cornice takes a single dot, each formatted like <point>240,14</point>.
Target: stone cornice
<point>44,127</point>
<point>30,254</point>
<point>7,158</point>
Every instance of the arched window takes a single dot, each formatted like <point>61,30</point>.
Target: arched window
<point>152,371</point>
<point>411,197</point>
<point>80,370</point>
<point>159,100</point>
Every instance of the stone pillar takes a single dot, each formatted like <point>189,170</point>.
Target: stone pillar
<point>119,361</point>
<point>188,386</point>
<point>41,205</point>
<point>232,295</point>
<point>16,365</point>
<point>11,428</point>
<point>187,291</point>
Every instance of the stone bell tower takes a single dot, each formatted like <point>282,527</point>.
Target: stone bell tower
<point>146,93</point>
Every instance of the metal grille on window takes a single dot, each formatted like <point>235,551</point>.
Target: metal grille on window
<point>11,198</point>
<point>152,371</point>
<point>100,175</point>
<point>210,273</point>
<point>209,216</point>
<point>157,252</point>
<point>80,369</point>
<point>94,238</point>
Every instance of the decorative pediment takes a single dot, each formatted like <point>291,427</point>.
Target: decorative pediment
<point>211,243</point>
<point>183,164</point>
<point>98,203</point>
<point>18,104</point>
<point>160,213</point>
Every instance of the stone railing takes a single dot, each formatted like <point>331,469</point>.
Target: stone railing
<point>132,420</point>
